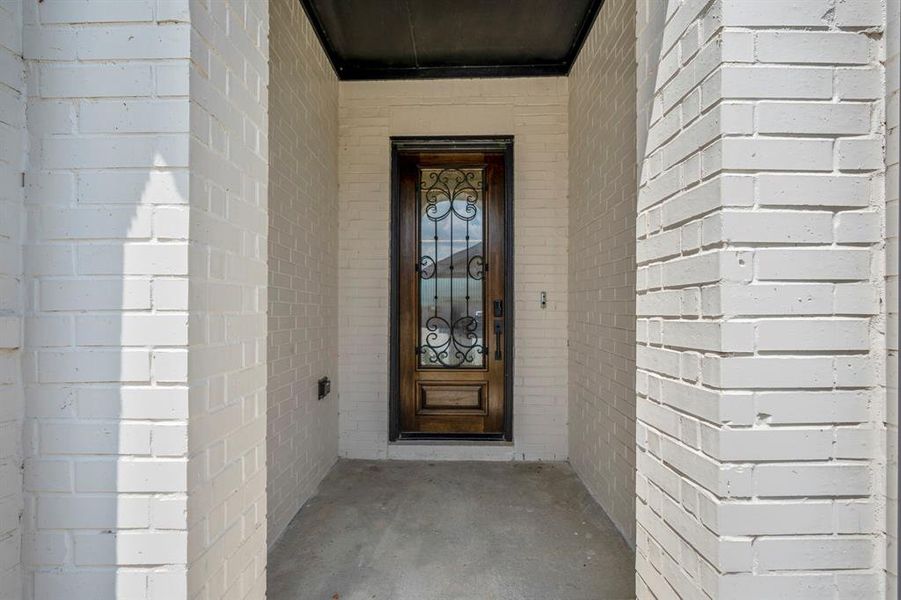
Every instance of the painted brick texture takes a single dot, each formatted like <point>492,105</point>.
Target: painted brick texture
<point>226,362</point>
<point>12,218</point>
<point>106,258</point>
<point>760,258</point>
<point>603,190</point>
<point>535,112</point>
<point>760,284</point>
<point>892,99</point>
<point>303,264</point>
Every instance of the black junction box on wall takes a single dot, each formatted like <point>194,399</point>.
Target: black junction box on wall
<point>325,386</point>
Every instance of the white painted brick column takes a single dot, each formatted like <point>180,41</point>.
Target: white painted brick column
<point>760,289</point>
<point>106,334</point>
<point>140,115</point>
<point>130,324</point>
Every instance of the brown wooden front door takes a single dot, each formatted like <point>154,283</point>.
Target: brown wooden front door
<point>451,305</point>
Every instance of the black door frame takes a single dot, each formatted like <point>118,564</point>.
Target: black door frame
<point>494,143</point>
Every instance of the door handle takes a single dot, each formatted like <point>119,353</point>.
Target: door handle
<point>498,308</point>
<point>498,331</point>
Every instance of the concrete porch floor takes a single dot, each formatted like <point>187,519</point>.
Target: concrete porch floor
<point>405,530</point>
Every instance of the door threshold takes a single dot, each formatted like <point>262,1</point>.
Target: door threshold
<point>448,442</point>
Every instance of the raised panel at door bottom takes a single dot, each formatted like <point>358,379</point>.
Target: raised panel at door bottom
<point>452,399</point>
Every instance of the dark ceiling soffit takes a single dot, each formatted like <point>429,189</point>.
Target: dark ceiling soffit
<point>465,72</point>
<point>540,70</point>
<point>454,143</point>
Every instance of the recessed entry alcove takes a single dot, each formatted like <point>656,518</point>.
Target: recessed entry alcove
<point>448,299</point>
<point>447,252</point>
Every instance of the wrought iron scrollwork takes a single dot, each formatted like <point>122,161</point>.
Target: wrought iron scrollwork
<point>475,268</point>
<point>427,267</point>
<point>451,336</point>
<point>452,186</point>
<point>451,350</point>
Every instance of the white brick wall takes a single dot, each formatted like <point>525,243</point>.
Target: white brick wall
<point>534,111</point>
<point>303,264</point>
<point>892,99</point>
<point>107,298</point>
<point>12,164</point>
<point>603,188</point>
<point>765,196</point>
<point>226,365</point>
<point>760,281</point>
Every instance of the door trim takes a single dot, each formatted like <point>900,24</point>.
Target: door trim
<point>503,143</point>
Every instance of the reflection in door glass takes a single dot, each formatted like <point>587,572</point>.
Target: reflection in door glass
<point>451,268</point>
